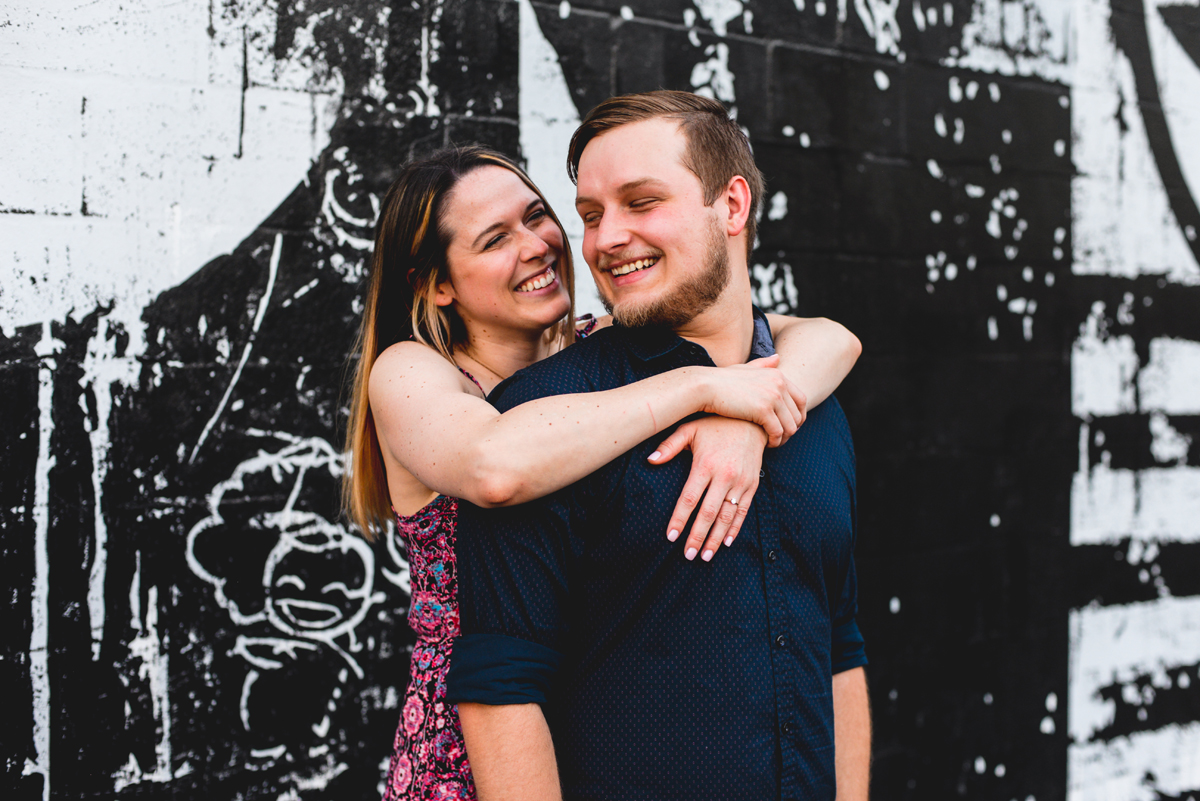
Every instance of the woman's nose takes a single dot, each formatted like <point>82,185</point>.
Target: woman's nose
<point>533,246</point>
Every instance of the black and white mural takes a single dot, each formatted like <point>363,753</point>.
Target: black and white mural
<point>1000,197</point>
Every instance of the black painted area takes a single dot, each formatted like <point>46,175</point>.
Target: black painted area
<point>919,235</point>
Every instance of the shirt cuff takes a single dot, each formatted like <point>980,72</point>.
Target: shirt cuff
<point>499,670</point>
<point>849,650</point>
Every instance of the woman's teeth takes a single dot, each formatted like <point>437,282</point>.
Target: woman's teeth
<point>538,282</point>
<point>634,266</point>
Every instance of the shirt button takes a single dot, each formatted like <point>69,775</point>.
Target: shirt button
<point>787,727</point>
<point>781,641</point>
<point>771,555</point>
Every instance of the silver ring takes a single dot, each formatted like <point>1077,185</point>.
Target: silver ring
<point>732,500</point>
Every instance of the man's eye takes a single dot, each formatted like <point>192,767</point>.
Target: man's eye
<point>493,242</point>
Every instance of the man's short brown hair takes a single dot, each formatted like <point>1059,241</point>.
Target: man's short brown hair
<point>717,150</point>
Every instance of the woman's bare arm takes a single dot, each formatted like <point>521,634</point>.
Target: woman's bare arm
<point>817,354</point>
<point>435,424</point>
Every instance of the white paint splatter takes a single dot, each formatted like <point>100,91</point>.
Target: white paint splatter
<point>712,77</point>
<point>1167,445</point>
<point>779,206</point>
<point>879,18</point>
<point>719,13</point>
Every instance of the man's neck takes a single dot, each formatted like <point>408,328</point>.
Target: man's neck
<point>725,329</point>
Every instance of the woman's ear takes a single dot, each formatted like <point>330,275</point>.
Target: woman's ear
<point>445,293</point>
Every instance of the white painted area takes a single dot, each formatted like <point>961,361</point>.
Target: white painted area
<point>1116,644</point>
<point>548,118</point>
<point>1170,381</point>
<point>140,114</point>
<point>1116,771</point>
<point>1011,37</point>
<point>1103,371</point>
<point>1158,503</point>
<point>1123,224</point>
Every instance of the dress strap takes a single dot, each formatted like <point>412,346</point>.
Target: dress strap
<point>473,381</point>
<point>584,325</point>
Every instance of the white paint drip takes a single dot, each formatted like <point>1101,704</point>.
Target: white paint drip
<point>548,118</point>
<point>152,649</point>
<point>39,602</point>
<point>263,302</point>
<point>102,368</point>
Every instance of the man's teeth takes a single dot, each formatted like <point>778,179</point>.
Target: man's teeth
<point>541,281</point>
<point>634,266</point>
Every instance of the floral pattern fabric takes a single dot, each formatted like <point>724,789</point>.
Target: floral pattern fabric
<point>429,762</point>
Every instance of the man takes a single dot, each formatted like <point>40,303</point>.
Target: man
<point>586,632</point>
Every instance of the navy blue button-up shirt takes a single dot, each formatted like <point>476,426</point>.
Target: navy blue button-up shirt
<point>663,678</point>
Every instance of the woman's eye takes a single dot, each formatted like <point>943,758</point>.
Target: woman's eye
<point>493,242</point>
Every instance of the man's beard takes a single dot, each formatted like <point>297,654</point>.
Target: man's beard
<point>684,303</point>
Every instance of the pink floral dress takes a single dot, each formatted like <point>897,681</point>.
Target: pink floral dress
<point>429,761</point>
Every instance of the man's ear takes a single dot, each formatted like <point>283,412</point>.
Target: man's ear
<point>737,201</point>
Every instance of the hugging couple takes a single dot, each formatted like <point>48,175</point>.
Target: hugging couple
<point>598,616</point>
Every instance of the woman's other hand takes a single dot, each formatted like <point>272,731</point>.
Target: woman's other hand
<point>726,459</point>
<point>760,393</point>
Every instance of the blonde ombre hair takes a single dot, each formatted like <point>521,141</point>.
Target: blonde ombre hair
<point>407,265</point>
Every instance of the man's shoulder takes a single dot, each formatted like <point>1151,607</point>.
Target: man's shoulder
<point>827,427</point>
<point>585,366</point>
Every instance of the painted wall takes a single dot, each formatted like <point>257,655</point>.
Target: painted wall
<point>999,197</point>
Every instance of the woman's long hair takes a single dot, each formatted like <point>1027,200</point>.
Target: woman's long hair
<point>408,264</point>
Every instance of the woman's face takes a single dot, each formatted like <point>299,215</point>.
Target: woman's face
<point>504,256</point>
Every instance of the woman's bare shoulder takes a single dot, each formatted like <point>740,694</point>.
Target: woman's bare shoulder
<point>419,366</point>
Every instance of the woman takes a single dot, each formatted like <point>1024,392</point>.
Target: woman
<point>471,281</point>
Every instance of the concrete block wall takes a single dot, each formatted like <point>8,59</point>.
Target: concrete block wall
<point>998,196</point>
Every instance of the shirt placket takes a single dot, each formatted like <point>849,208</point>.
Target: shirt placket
<point>780,631</point>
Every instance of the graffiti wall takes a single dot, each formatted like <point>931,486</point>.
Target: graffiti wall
<point>999,197</point>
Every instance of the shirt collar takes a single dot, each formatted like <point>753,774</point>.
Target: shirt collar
<point>648,343</point>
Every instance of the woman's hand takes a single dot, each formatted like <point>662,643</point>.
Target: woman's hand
<point>726,459</point>
<point>759,393</point>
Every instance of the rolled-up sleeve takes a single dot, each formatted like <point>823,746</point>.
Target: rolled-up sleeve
<point>512,592</point>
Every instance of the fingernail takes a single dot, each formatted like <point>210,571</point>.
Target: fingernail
<point>729,541</point>
<point>655,455</point>
<point>706,556</point>
<point>672,535</point>
<point>691,553</point>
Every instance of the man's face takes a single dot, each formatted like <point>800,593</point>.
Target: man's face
<point>657,253</point>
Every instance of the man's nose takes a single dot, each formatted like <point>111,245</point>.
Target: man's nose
<point>611,233</point>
